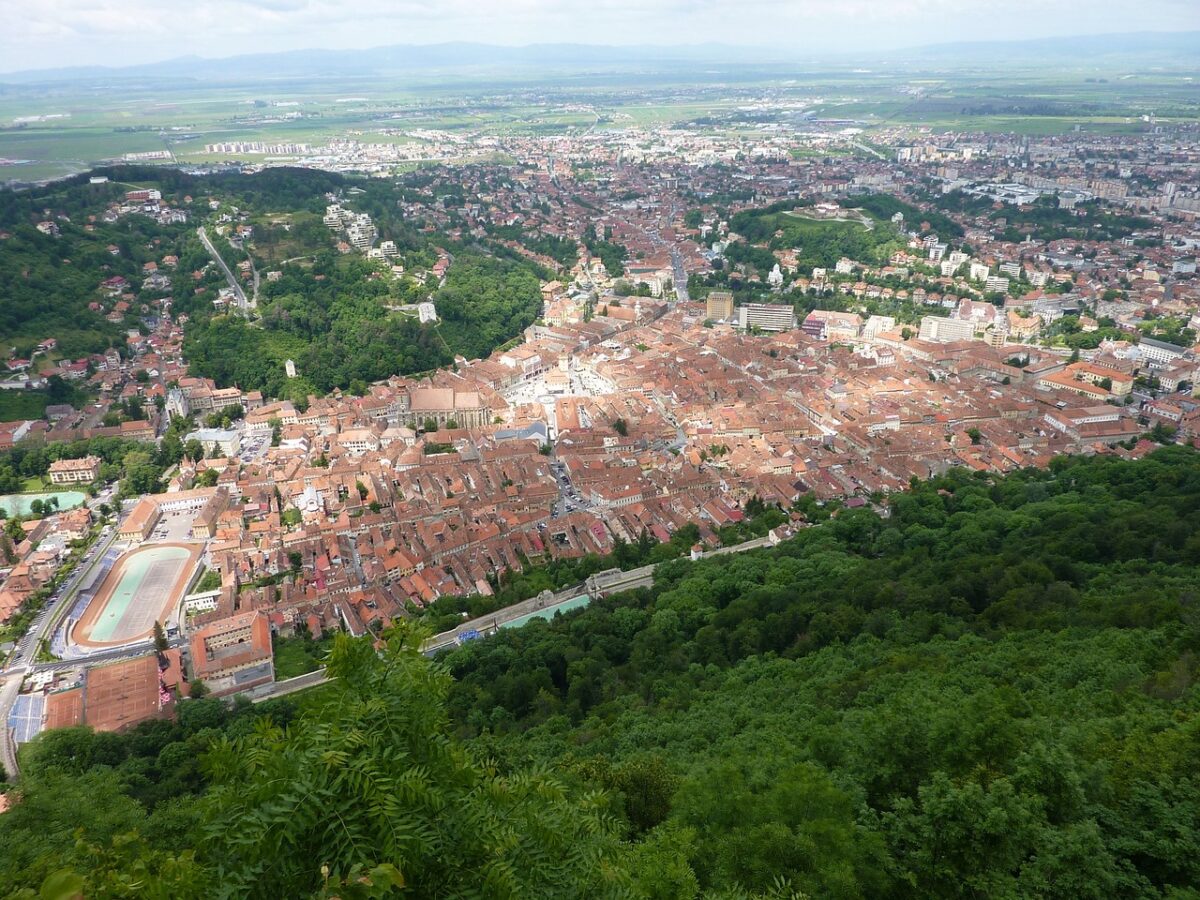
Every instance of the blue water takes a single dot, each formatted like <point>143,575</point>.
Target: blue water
<point>549,611</point>
<point>18,504</point>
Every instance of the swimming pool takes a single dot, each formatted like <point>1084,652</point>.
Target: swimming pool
<point>549,611</point>
<point>18,504</point>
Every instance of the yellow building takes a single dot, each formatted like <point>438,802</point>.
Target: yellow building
<point>719,306</point>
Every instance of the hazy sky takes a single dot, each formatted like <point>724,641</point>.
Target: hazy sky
<point>51,33</point>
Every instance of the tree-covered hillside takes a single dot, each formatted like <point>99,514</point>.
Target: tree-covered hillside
<point>345,320</point>
<point>992,692</point>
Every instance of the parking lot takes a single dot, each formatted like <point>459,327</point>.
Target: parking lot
<point>254,445</point>
<point>173,526</point>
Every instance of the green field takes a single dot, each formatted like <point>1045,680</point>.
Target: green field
<point>184,116</point>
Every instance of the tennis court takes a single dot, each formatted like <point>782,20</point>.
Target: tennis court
<point>142,588</point>
<point>25,718</point>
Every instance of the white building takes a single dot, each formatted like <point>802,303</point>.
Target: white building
<point>766,316</point>
<point>944,330</point>
<point>226,442</point>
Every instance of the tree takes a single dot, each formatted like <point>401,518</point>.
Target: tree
<point>14,530</point>
<point>374,779</point>
<point>160,638</point>
<point>620,426</point>
<point>207,478</point>
<point>139,474</point>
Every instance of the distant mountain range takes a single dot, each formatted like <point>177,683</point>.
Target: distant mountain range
<point>1183,47</point>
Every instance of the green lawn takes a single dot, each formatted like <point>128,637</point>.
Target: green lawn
<point>299,655</point>
<point>16,405</point>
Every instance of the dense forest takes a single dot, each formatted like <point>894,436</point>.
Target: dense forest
<point>330,317</point>
<point>991,691</point>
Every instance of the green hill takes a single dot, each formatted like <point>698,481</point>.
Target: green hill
<point>991,692</point>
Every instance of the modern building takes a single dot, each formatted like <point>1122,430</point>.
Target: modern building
<point>1159,354</point>
<point>945,330</point>
<point>766,317</point>
<point>719,306</point>
<point>225,442</point>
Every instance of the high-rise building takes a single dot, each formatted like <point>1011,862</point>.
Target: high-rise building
<point>719,306</point>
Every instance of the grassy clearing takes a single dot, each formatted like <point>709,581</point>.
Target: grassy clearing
<point>299,655</point>
<point>17,405</point>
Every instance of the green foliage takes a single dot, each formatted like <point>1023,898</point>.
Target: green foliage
<point>990,693</point>
<point>884,206</point>
<point>1086,222</point>
<point>994,691</point>
<point>562,250</point>
<point>32,404</point>
<point>820,243</point>
<point>299,655</point>
<point>375,780</point>
<point>209,581</point>
<point>484,303</point>
<point>612,254</point>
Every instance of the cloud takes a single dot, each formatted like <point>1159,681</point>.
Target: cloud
<point>69,32</point>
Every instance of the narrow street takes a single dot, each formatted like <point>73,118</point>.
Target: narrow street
<point>243,303</point>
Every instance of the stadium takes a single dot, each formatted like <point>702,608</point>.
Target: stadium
<point>144,586</point>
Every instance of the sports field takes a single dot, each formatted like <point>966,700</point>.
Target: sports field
<point>142,588</point>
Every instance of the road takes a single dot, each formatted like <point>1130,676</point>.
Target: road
<point>8,750</point>
<point>22,663</point>
<point>243,303</point>
<point>49,618</point>
<point>680,276</point>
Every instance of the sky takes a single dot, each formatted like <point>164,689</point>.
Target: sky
<point>38,34</point>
